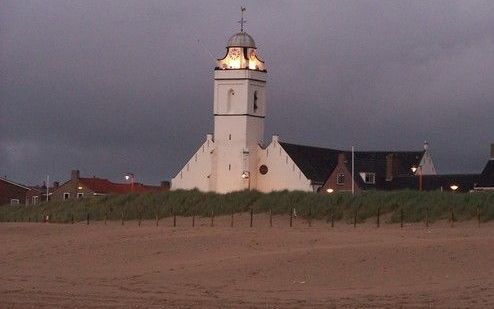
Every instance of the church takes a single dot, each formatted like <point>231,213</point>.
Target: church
<point>235,157</point>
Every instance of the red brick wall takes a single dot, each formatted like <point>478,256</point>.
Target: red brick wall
<point>339,169</point>
<point>10,191</point>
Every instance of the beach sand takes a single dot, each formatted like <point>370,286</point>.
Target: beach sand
<point>115,266</point>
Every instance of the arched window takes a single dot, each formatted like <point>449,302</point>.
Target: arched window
<point>255,101</point>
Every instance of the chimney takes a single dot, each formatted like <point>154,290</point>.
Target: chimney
<point>276,138</point>
<point>341,158</point>
<point>492,151</point>
<point>74,174</point>
<point>389,167</point>
<point>56,184</point>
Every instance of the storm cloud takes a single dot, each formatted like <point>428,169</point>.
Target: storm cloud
<point>113,86</point>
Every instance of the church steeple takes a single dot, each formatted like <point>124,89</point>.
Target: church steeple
<point>241,52</point>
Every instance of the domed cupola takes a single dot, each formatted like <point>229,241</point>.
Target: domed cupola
<point>241,39</point>
<point>241,52</point>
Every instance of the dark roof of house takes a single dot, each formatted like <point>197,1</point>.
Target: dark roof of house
<point>486,179</point>
<point>104,186</point>
<point>14,183</point>
<point>465,182</point>
<point>317,163</point>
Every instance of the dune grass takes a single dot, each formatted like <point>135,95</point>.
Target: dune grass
<point>343,206</point>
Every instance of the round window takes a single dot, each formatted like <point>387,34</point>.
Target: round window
<point>263,169</point>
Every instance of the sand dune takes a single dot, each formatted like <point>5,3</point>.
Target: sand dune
<point>114,266</point>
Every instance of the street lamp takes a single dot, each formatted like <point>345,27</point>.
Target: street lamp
<point>246,175</point>
<point>414,169</point>
<point>131,177</point>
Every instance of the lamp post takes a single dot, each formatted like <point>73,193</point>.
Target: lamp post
<point>131,177</point>
<point>414,169</point>
<point>246,175</point>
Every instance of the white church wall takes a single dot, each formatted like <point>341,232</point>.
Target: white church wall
<point>196,173</point>
<point>283,173</point>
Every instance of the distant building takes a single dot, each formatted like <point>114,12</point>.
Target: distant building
<point>12,193</point>
<point>78,187</point>
<point>235,157</point>
<point>486,178</point>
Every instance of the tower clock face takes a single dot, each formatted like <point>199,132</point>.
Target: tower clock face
<point>234,53</point>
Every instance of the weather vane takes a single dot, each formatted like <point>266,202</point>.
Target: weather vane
<point>242,21</point>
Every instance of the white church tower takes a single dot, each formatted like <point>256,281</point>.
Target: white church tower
<point>228,160</point>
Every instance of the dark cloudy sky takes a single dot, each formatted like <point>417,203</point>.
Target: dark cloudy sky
<point>114,86</point>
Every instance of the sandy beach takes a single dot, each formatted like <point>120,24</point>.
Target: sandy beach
<point>115,266</point>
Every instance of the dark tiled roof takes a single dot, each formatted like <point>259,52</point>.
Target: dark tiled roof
<point>465,182</point>
<point>316,163</point>
<point>486,178</point>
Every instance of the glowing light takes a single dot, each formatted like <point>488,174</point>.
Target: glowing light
<point>454,187</point>
<point>79,187</point>
<point>329,190</point>
<point>127,177</point>
<point>414,169</point>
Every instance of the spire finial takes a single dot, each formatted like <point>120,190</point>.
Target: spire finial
<point>242,21</point>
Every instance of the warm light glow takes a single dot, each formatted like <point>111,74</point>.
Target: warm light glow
<point>454,187</point>
<point>127,177</point>
<point>80,188</point>
<point>414,169</point>
<point>329,190</point>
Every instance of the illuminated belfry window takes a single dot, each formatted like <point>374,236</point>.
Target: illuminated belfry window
<point>241,52</point>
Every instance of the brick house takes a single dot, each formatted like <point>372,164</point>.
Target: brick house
<point>79,187</point>
<point>12,193</point>
<point>375,170</point>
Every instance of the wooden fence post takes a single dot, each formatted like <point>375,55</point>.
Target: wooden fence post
<point>378,213</point>
<point>478,215</point>
<point>251,216</point>
<point>401,217</point>
<point>452,217</point>
<point>270,218</point>
<point>355,218</point>
<point>140,217</point>
<point>87,218</point>
<point>212,218</point>
<point>332,218</point>
<point>174,220</point>
<point>291,217</point>
<point>427,217</point>
<point>106,217</point>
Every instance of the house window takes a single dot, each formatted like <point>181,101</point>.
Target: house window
<point>14,201</point>
<point>370,178</point>
<point>80,195</point>
<point>66,196</point>
<point>340,179</point>
<point>255,101</point>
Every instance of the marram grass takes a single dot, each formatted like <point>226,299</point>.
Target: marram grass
<point>342,206</point>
